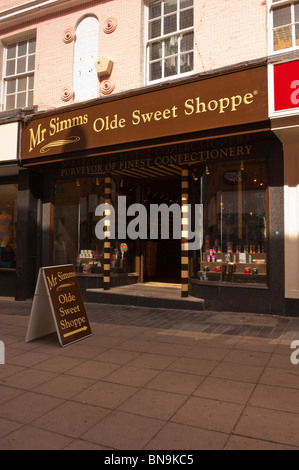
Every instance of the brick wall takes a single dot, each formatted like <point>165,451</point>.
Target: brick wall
<point>227,32</point>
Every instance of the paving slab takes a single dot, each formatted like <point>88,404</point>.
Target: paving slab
<point>151,379</point>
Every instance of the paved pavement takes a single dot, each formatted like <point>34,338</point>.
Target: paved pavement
<point>151,379</point>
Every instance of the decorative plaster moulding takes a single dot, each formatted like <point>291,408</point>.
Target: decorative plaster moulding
<point>67,94</point>
<point>107,87</point>
<point>110,25</point>
<point>69,35</point>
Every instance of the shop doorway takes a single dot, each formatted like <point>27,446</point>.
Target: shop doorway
<point>162,258</point>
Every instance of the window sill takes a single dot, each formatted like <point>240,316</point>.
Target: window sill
<point>170,79</point>
<point>283,54</point>
<point>242,285</point>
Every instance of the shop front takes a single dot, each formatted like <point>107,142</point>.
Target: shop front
<point>202,143</point>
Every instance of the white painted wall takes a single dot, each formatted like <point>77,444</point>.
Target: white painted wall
<point>9,141</point>
<point>85,55</point>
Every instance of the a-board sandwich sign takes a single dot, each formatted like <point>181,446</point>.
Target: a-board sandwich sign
<point>58,306</point>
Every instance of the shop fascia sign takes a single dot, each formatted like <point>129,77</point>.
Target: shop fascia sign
<point>285,84</point>
<point>226,100</point>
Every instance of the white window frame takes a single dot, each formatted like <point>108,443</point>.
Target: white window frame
<point>271,7</point>
<point>179,33</point>
<point>27,74</point>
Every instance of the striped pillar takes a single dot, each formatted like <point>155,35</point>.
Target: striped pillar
<point>106,281</point>
<point>184,235</point>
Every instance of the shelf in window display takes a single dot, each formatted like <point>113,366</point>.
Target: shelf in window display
<point>233,269</point>
<point>241,258</point>
<point>95,266</point>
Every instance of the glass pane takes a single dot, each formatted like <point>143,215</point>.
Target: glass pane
<point>10,67</point>
<point>186,19</point>
<point>22,84</point>
<point>234,208</point>
<point>154,29</point>
<point>31,46</point>
<point>170,6</point>
<point>21,100</point>
<point>154,10</point>
<point>186,3</point>
<point>21,65</point>
<point>187,42</point>
<point>282,16</point>
<point>155,70</point>
<point>22,48</point>
<point>11,87</point>
<point>170,24</point>
<point>10,102</point>
<point>187,62</point>
<point>11,51</point>
<point>155,50</point>
<point>8,198</point>
<point>31,62</point>
<point>171,46</point>
<point>30,98</point>
<point>31,82</point>
<point>66,222</point>
<point>171,66</point>
<point>282,38</point>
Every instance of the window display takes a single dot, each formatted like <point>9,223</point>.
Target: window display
<point>8,218</point>
<point>234,205</point>
<point>75,241</point>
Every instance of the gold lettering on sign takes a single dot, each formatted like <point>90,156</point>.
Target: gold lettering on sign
<point>196,106</point>
<point>57,125</point>
<point>138,117</point>
<point>161,160</point>
<point>37,138</point>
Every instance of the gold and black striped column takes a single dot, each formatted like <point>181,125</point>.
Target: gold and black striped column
<point>107,253</point>
<point>184,234</point>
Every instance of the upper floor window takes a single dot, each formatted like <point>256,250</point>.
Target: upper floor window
<point>285,23</point>
<point>19,74</point>
<point>170,39</point>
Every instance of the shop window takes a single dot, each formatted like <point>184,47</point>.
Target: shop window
<point>170,39</point>
<point>285,25</point>
<point>85,56</point>
<point>234,226</point>
<point>75,241</point>
<point>19,74</point>
<point>8,220</point>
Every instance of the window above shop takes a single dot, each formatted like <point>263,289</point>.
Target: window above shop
<point>284,17</point>
<point>170,39</point>
<point>19,74</point>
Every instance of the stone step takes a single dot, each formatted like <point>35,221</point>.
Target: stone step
<point>145,295</point>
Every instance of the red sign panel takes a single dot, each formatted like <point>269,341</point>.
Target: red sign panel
<point>286,86</point>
